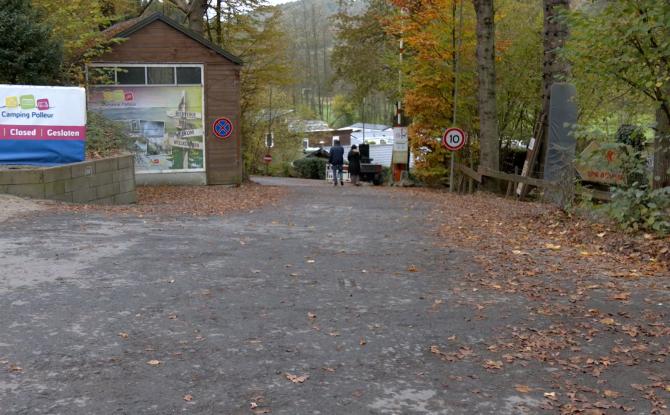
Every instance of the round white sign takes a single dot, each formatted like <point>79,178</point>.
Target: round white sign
<point>453,139</point>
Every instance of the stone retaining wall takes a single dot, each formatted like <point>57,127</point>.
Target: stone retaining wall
<point>109,181</point>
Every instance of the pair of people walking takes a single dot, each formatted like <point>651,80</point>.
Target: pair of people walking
<point>336,160</point>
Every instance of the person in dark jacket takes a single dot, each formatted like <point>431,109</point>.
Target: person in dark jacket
<point>354,158</point>
<point>336,159</point>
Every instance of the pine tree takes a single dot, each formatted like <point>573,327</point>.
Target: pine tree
<point>28,52</point>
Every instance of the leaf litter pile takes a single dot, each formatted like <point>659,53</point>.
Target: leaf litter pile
<point>582,305</point>
<point>189,201</point>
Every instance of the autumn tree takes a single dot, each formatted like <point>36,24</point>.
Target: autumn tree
<point>257,38</point>
<point>29,54</point>
<point>364,62</point>
<point>79,24</point>
<point>519,65</point>
<point>310,33</point>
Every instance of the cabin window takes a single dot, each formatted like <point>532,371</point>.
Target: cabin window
<point>130,75</point>
<point>189,75</point>
<point>160,75</point>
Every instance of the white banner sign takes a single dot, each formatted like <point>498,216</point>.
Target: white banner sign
<point>400,145</point>
<point>42,105</point>
<point>42,125</point>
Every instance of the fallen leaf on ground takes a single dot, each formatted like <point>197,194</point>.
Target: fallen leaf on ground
<point>154,362</point>
<point>522,388</point>
<point>178,201</point>
<point>362,342</point>
<point>188,398</point>
<point>15,369</point>
<point>552,247</point>
<point>621,296</point>
<point>550,395</point>
<point>296,378</point>
<point>607,320</point>
<point>412,268</point>
<point>311,315</point>
<point>123,335</point>
<point>493,364</point>
<point>610,394</point>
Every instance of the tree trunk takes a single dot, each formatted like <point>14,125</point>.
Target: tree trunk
<point>555,69</point>
<point>662,147</point>
<point>488,117</point>
<point>196,13</point>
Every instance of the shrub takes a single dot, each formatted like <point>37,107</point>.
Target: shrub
<point>433,176</point>
<point>386,174</point>
<point>311,168</point>
<point>636,208</point>
<point>635,205</point>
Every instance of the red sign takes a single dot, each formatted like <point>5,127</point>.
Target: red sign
<point>267,158</point>
<point>43,104</point>
<point>222,128</point>
<point>454,139</point>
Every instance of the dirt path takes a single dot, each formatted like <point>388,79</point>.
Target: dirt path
<point>334,300</point>
<point>11,206</point>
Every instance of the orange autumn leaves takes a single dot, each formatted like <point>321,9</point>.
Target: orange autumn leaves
<point>432,33</point>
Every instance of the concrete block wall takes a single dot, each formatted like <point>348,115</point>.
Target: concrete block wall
<point>109,181</point>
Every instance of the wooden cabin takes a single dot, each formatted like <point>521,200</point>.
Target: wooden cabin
<point>178,96</point>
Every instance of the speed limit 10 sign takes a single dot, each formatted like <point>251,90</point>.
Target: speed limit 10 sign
<point>453,139</point>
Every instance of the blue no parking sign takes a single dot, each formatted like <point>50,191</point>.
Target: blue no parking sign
<point>222,128</point>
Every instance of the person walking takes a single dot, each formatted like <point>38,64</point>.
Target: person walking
<point>336,159</point>
<point>354,158</point>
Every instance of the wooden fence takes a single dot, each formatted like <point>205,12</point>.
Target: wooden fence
<point>515,179</point>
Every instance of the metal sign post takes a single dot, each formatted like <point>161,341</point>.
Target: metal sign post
<point>453,140</point>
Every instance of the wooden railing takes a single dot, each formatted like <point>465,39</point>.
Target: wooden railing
<point>515,179</point>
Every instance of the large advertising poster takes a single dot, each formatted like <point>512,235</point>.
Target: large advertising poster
<point>166,122</point>
<point>42,125</point>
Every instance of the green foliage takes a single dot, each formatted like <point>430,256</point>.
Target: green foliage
<point>282,169</point>
<point>29,54</point>
<point>624,43</point>
<point>518,67</point>
<point>287,147</point>
<point>433,176</point>
<point>363,52</point>
<point>256,37</point>
<point>311,168</point>
<point>344,111</point>
<point>386,174</point>
<point>105,137</point>
<point>620,57</point>
<point>631,135</point>
<point>78,24</point>
<point>636,208</point>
